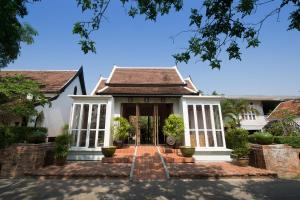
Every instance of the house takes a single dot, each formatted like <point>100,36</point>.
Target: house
<point>291,107</point>
<point>148,94</point>
<point>56,85</point>
<point>264,105</point>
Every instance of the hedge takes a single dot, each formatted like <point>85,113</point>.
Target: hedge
<point>20,134</point>
<point>263,138</point>
<point>293,141</point>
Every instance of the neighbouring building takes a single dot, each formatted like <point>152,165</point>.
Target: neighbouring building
<point>264,105</point>
<point>56,85</point>
<point>291,106</point>
<point>146,96</point>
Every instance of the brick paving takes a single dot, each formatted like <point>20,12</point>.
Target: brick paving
<point>148,164</point>
<point>84,169</point>
<point>124,155</point>
<point>216,170</point>
<point>171,155</point>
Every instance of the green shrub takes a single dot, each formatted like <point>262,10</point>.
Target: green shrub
<point>293,141</point>
<point>62,144</point>
<point>263,138</point>
<point>237,140</point>
<point>121,128</point>
<point>20,134</point>
<point>174,127</point>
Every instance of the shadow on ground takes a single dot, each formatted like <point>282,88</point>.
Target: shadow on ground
<point>172,189</point>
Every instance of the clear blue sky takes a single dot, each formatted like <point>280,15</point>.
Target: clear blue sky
<point>271,69</point>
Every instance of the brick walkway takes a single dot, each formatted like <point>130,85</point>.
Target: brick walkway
<point>84,169</point>
<point>204,170</point>
<point>148,164</point>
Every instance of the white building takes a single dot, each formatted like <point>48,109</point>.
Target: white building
<point>151,94</point>
<point>264,105</point>
<point>56,85</point>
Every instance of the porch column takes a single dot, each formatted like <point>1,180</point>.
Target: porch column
<point>187,141</point>
<point>138,132</point>
<point>108,123</point>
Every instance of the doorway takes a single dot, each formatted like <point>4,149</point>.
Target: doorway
<point>148,121</point>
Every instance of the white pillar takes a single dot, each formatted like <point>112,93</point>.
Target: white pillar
<point>187,140</point>
<point>108,117</point>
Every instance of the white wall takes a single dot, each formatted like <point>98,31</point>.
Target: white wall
<point>58,114</point>
<point>260,120</point>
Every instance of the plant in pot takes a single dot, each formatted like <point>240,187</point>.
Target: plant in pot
<point>37,137</point>
<point>237,140</point>
<point>174,129</point>
<point>61,146</point>
<point>121,131</point>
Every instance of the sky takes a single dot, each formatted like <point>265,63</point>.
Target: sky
<point>271,69</point>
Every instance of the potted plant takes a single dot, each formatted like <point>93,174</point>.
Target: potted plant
<point>109,151</point>
<point>187,151</point>
<point>121,131</point>
<point>237,140</point>
<point>241,156</point>
<point>61,146</point>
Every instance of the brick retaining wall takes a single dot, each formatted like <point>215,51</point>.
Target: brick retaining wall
<point>20,158</point>
<point>279,158</point>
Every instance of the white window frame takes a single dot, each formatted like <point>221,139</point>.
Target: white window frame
<point>205,130</point>
<point>86,147</point>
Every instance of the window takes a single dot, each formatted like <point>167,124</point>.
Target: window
<point>249,116</point>
<point>205,127</point>
<point>88,125</point>
<point>75,90</point>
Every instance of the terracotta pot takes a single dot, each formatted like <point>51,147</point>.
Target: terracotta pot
<point>187,151</point>
<point>243,162</point>
<point>109,151</point>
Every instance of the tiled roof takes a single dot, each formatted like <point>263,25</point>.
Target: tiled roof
<point>50,81</point>
<point>142,76</point>
<point>292,106</point>
<point>145,81</point>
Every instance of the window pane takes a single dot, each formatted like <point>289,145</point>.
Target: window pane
<point>82,138</point>
<point>199,117</point>
<point>85,114</point>
<point>191,117</point>
<point>100,141</point>
<point>94,116</point>
<point>217,117</point>
<point>92,139</point>
<point>74,135</point>
<point>202,139</point>
<point>210,138</point>
<point>219,138</point>
<point>102,116</point>
<point>76,116</point>
<point>193,138</point>
<point>207,115</point>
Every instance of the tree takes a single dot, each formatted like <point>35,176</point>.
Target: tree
<point>18,98</point>
<point>232,110</point>
<point>215,26</point>
<point>12,31</point>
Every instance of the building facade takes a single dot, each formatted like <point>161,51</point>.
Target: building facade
<point>146,97</point>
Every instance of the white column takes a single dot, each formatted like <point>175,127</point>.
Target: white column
<point>222,127</point>
<point>196,125</point>
<point>108,117</point>
<point>187,140</point>
<point>213,125</point>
